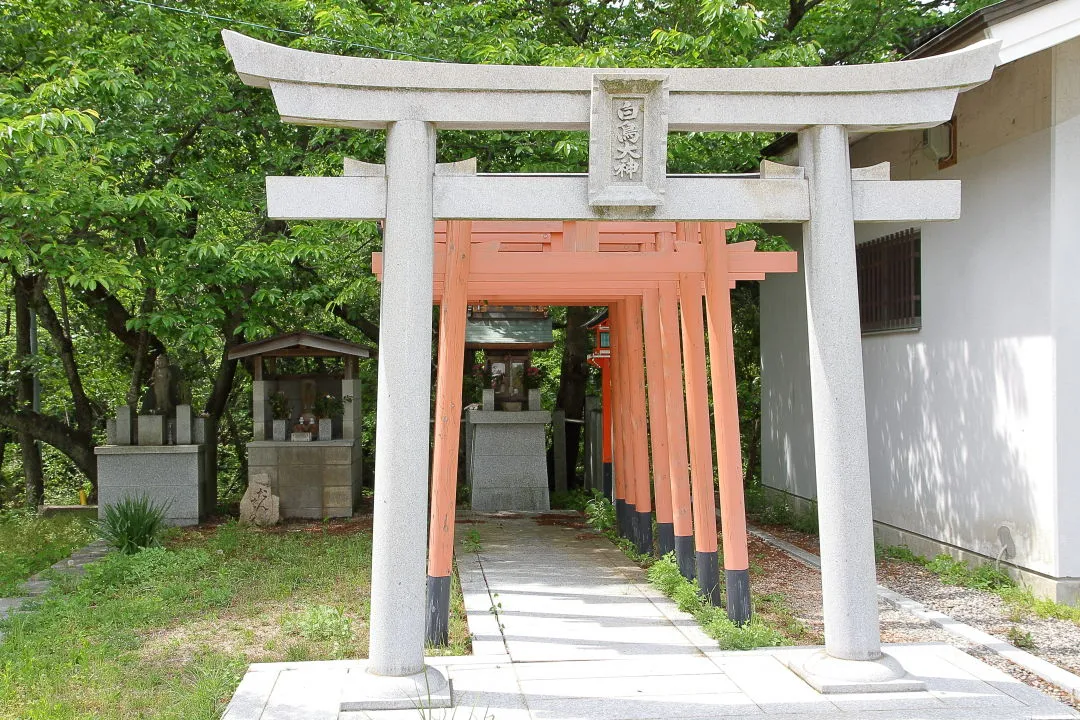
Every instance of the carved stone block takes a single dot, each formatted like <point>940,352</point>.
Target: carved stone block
<point>628,141</point>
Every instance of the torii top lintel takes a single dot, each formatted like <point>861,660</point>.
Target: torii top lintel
<point>321,89</point>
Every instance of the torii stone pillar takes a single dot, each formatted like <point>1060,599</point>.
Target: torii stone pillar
<point>399,550</point>
<point>852,652</point>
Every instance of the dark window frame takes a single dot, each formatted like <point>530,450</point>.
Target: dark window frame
<point>890,282</point>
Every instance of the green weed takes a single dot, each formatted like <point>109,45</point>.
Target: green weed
<point>1020,638</point>
<point>986,577</point>
<point>132,524</point>
<point>320,623</point>
<point>471,541</point>
<point>600,514</point>
<point>665,575</point>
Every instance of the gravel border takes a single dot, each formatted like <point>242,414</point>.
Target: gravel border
<point>897,612</point>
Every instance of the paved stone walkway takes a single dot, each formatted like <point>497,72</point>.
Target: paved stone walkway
<point>565,627</point>
<point>39,582</point>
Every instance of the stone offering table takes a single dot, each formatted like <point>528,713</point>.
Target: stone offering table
<point>506,458</point>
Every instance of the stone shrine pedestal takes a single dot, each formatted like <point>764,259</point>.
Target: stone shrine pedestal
<point>160,458</point>
<point>506,460</point>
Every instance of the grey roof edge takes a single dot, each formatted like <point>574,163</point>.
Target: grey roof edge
<point>978,21</point>
<point>945,41</point>
<point>299,339</point>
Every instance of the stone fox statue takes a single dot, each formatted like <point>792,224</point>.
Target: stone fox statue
<point>167,389</point>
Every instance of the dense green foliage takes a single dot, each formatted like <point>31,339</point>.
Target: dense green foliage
<point>132,216</point>
<point>29,543</point>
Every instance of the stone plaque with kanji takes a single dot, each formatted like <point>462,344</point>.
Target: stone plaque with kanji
<point>628,141</point>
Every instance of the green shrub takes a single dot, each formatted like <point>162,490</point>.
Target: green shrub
<point>600,514</point>
<point>132,524</point>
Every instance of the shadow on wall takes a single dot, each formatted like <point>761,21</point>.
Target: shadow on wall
<point>960,445</point>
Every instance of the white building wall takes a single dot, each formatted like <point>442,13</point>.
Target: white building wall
<point>962,414</point>
<point>1065,282</point>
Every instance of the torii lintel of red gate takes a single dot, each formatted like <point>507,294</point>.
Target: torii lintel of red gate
<point>643,271</point>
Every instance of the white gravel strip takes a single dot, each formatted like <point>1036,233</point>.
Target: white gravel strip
<point>1047,671</point>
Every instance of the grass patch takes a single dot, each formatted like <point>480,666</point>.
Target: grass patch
<point>665,575</point>
<point>986,577</point>
<point>167,632</point>
<point>30,543</point>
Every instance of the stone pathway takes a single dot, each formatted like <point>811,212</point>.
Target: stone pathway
<point>566,627</point>
<point>39,583</point>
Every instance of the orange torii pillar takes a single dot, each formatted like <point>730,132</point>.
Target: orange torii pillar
<point>620,470</point>
<point>679,476</point>
<point>697,420</point>
<point>638,439</point>
<point>452,315</point>
<point>659,424</point>
<point>726,422</point>
<point>605,419</point>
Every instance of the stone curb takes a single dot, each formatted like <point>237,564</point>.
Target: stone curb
<point>1049,672</point>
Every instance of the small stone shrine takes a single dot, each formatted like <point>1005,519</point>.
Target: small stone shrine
<point>306,417</point>
<point>505,440</point>
<point>159,453</point>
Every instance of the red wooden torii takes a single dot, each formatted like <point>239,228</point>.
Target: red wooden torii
<point>653,277</point>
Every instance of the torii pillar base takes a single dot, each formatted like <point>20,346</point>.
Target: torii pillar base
<point>364,690</point>
<point>832,675</point>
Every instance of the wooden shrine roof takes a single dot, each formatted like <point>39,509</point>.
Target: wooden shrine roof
<point>300,344</point>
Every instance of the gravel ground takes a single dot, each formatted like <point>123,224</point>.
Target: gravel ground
<point>774,571</point>
<point>1057,641</point>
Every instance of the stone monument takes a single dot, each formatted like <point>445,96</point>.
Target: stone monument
<point>260,506</point>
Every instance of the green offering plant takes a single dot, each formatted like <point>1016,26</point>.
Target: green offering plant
<point>328,406</point>
<point>132,524</point>
<point>279,406</point>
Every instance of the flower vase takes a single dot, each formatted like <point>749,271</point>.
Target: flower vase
<point>280,428</point>
<point>326,429</point>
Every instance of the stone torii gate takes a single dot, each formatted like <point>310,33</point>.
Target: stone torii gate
<point>628,114</point>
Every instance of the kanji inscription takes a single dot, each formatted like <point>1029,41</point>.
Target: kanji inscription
<point>627,151</point>
<point>628,142</point>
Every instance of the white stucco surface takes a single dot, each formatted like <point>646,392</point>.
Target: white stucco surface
<point>1065,241</point>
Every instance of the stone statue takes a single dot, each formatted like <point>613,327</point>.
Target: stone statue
<point>260,506</point>
<point>167,389</point>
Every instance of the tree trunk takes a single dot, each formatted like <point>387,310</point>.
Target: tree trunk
<point>31,452</point>
<point>84,414</point>
<point>218,401</point>
<point>572,384</point>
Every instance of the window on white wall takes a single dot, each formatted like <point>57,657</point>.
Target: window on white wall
<point>890,282</point>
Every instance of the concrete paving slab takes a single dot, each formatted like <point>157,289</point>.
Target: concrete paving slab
<point>306,694</point>
<point>561,647</point>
